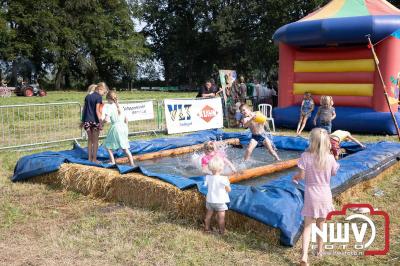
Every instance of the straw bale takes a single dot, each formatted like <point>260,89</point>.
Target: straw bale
<point>135,189</point>
<point>355,191</point>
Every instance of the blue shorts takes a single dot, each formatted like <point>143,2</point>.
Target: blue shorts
<point>326,125</point>
<point>238,116</point>
<point>218,207</point>
<point>259,138</point>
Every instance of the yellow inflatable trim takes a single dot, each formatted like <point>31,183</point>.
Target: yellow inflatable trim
<point>336,89</point>
<point>356,65</point>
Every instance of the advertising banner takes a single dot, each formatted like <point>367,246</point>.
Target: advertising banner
<point>186,115</point>
<point>138,111</point>
<point>227,77</point>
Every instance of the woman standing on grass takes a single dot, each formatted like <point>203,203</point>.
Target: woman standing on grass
<point>91,119</point>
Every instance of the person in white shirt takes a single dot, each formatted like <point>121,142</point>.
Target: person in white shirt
<point>217,194</point>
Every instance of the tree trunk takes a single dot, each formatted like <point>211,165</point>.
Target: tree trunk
<point>67,81</point>
<point>59,78</point>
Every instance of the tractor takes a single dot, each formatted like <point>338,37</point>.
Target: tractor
<point>24,88</point>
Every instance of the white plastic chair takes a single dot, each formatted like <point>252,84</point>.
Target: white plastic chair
<point>266,109</point>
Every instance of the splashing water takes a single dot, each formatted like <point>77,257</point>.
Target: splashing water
<point>189,165</point>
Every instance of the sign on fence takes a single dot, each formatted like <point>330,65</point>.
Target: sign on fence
<point>186,115</point>
<point>138,111</point>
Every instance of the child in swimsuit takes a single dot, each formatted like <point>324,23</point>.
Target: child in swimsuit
<point>307,106</point>
<point>337,137</point>
<point>210,151</point>
<point>258,133</point>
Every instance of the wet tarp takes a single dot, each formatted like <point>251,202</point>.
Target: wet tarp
<point>277,203</point>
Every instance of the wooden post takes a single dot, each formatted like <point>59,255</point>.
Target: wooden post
<point>383,84</point>
<point>262,170</point>
<point>171,152</point>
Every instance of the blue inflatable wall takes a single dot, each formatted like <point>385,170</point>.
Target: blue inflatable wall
<point>348,118</point>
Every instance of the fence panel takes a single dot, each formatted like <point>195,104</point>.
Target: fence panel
<point>155,124</point>
<point>33,124</point>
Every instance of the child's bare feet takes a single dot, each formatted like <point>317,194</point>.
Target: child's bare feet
<point>206,231</point>
<point>222,232</point>
<point>303,263</point>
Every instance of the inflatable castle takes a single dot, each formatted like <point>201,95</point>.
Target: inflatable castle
<point>327,53</point>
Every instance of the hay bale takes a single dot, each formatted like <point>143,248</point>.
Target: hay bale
<point>135,189</point>
<point>356,190</point>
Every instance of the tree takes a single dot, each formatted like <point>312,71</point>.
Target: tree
<point>80,41</point>
<point>190,37</point>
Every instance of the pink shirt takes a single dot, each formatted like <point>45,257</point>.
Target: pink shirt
<point>315,176</point>
<point>317,193</point>
<point>207,157</point>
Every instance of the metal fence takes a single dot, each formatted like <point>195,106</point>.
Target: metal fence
<point>36,124</point>
<point>33,124</point>
<point>157,124</point>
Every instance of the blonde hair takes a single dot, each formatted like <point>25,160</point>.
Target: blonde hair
<point>209,146</point>
<point>319,147</point>
<point>244,106</point>
<point>216,164</point>
<point>327,101</point>
<point>112,96</point>
<point>102,85</point>
<point>91,88</point>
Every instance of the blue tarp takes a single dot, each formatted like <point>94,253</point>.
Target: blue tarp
<point>353,119</point>
<point>277,203</point>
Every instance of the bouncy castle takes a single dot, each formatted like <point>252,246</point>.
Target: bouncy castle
<point>327,53</point>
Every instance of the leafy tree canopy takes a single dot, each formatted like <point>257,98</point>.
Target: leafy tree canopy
<point>78,41</point>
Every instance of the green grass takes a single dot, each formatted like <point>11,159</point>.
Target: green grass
<point>42,225</point>
<point>79,96</point>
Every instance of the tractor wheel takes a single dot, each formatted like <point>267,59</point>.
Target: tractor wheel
<point>42,93</point>
<point>28,92</point>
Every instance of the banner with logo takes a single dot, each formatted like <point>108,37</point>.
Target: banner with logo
<point>138,111</point>
<point>189,115</point>
<point>133,111</point>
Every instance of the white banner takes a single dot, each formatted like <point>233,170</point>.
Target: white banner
<point>193,115</point>
<point>138,111</point>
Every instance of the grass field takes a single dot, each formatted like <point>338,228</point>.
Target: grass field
<point>42,225</point>
<point>79,96</point>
